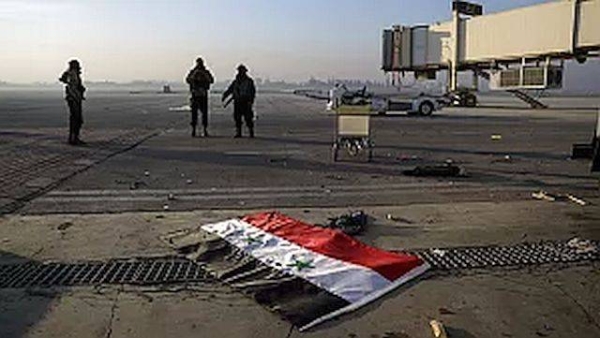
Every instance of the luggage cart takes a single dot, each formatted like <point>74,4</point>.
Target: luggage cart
<point>353,131</point>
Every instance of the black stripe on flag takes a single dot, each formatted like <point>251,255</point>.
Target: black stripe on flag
<point>291,297</point>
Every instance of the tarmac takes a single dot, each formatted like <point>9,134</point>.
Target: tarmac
<point>107,200</point>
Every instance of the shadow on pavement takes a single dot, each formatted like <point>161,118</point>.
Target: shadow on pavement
<point>21,309</point>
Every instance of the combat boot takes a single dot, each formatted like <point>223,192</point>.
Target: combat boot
<point>193,131</point>
<point>251,131</point>
<point>205,132</point>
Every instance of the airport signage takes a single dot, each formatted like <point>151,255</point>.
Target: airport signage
<point>467,8</point>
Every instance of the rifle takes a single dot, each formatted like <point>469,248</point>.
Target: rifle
<point>77,93</point>
<point>228,102</point>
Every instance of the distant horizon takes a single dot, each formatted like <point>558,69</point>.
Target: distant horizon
<point>285,40</point>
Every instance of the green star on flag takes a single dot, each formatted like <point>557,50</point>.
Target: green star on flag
<point>301,265</point>
<point>252,240</point>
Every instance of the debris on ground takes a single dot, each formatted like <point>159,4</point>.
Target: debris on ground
<point>444,170</point>
<point>171,197</point>
<point>166,207</point>
<point>496,137</point>
<point>576,200</point>
<point>391,217</point>
<point>278,160</point>
<point>136,185</point>
<point>582,246</point>
<point>545,196</point>
<point>64,226</point>
<point>352,223</point>
<point>504,159</point>
<point>438,329</point>
<point>406,158</point>
<point>189,181</point>
<point>146,173</point>
<point>444,311</point>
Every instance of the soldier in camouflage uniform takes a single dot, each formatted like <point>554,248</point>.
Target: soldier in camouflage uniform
<point>74,94</point>
<point>199,79</point>
<point>243,93</point>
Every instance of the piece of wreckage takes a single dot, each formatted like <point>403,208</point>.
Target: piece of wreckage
<point>305,273</point>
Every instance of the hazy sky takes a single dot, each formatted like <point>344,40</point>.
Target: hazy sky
<point>124,40</point>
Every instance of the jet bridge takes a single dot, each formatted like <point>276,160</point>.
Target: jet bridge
<point>524,48</point>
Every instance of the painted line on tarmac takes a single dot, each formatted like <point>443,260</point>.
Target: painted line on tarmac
<point>235,190</point>
<point>157,196</point>
<point>265,153</point>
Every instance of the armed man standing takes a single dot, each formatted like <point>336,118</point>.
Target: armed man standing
<point>74,91</point>
<point>200,79</point>
<point>243,93</point>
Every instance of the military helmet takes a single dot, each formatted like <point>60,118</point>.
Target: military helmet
<point>74,64</point>
<point>242,68</point>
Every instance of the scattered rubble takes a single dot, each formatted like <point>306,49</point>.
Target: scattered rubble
<point>407,158</point>
<point>136,185</point>
<point>352,223</point>
<point>64,226</point>
<point>439,331</point>
<point>445,311</point>
<point>582,246</point>
<point>545,196</point>
<point>504,159</point>
<point>391,217</point>
<point>577,200</point>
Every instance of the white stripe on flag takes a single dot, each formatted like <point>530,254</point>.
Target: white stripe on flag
<point>351,282</point>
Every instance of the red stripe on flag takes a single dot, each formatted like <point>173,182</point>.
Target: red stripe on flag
<point>335,244</point>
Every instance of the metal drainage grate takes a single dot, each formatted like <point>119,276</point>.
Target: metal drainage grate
<point>147,271</point>
<point>506,256</point>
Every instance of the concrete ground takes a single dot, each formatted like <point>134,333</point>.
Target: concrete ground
<point>114,208</point>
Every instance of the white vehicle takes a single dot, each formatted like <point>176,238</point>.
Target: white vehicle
<point>382,103</point>
<point>423,105</point>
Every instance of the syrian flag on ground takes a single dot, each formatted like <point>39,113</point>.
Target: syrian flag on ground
<point>305,273</point>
